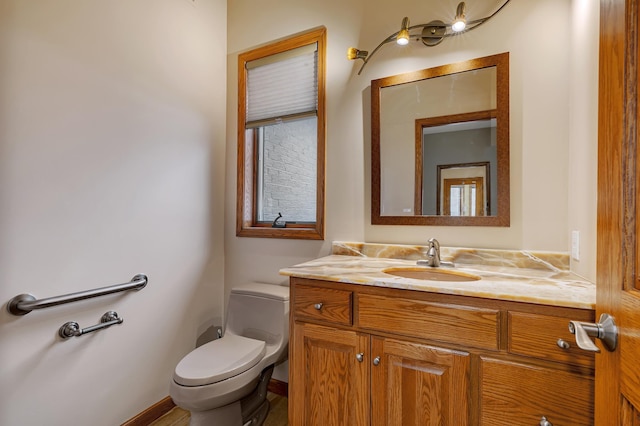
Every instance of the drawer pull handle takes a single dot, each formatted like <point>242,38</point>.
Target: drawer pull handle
<point>563,344</point>
<point>360,357</point>
<point>318,306</point>
<point>376,361</point>
<point>545,422</point>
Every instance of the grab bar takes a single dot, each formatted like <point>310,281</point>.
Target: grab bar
<point>72,328</point>
<point>22,304</point>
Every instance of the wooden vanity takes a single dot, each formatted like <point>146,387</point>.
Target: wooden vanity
<point>363,355</point>
<point>374,355</point>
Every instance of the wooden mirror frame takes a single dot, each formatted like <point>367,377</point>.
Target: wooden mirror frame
<point>502,218</point>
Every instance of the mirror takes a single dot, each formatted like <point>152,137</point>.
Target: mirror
<point>440,145</point>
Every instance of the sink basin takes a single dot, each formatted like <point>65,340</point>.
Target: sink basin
<point>431,274</point>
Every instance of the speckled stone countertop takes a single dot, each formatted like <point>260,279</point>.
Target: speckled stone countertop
<point>521,276</point>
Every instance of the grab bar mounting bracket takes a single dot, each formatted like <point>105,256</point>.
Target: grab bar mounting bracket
<point>13,308</point>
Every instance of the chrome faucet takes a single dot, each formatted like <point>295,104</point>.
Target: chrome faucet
<point>433,255</point>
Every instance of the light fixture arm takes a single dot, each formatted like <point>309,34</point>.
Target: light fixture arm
<point>391,38</point>
<point>478,22</point>
<point>445,29</point>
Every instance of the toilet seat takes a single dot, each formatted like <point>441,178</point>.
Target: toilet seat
<point>218,360</point>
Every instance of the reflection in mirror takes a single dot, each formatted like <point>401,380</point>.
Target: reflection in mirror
<point>464,190</point>
<point>467,149</point>
<point>440,145</point>
<point>462,197</point>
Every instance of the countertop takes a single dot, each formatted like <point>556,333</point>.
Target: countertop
<point>522,276</point>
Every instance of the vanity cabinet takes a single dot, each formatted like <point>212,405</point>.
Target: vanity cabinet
<point>418,384</point>
<point>332,385</point>
<point>517,393</point>
<point>411,383</point>
<point>366,355</point>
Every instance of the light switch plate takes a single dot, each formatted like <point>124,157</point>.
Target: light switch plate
<point>575,245</point>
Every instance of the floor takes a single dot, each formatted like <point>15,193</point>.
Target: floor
<point>277,414</point>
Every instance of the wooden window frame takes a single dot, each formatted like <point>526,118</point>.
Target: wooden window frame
<point>246,223</point>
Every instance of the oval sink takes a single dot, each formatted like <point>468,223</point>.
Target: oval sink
<point>431,274</point>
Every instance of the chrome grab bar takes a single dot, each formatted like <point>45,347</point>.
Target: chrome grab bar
<point>72,328</point>
<point>22,304</point>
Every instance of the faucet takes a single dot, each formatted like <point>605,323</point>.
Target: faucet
<point>433,255</point>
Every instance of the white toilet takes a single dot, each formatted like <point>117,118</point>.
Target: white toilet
<point>224,382</point>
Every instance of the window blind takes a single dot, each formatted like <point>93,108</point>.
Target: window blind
<point>282,85</point>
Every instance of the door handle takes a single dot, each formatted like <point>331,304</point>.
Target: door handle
<point>605,330</point>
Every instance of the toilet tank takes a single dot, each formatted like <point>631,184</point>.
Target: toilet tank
<point>259,311</point>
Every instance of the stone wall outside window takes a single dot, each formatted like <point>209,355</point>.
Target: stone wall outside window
<point>289,171</point>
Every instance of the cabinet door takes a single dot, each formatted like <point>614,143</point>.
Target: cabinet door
<point>329,380</point>
<point>416,384</point>
<point>520,394</point>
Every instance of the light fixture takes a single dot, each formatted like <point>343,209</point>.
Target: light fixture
<point>403,36</point>
<point>431,34</point>
<point>353,53</point>
<point>460,22</point>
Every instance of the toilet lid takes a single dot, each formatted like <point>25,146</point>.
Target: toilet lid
<point>219,360</point>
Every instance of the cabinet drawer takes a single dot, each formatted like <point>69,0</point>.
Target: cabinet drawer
<point>326,304</point>
<point>464,325</point>
<point>520,394</point>
<point>537,336</point>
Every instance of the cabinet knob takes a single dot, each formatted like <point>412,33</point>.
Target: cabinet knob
<point>376,361</point>
<point>545,422</point>
<point>360,357</point>
<point>318,306</point>
<point>563,344</point>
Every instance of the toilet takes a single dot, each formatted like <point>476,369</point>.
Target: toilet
<point>224,382</point>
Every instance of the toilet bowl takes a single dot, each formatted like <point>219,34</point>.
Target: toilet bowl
<point>224,381</point>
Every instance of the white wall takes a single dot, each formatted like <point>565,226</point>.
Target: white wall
<point>544,162</point>
<point>111,164</point>
<point>583,137</point>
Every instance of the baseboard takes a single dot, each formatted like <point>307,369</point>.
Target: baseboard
<point>152,413</point>
<point>278,387</point>
<point>161,408</point>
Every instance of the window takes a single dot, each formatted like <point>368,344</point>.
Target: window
<point>281,139</point>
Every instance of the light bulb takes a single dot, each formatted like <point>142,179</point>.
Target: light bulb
<point>460,23</point>
<point>403,38</point>
<point>458,26</point>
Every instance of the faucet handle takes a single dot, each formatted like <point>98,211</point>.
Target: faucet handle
<point>433,254</point>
